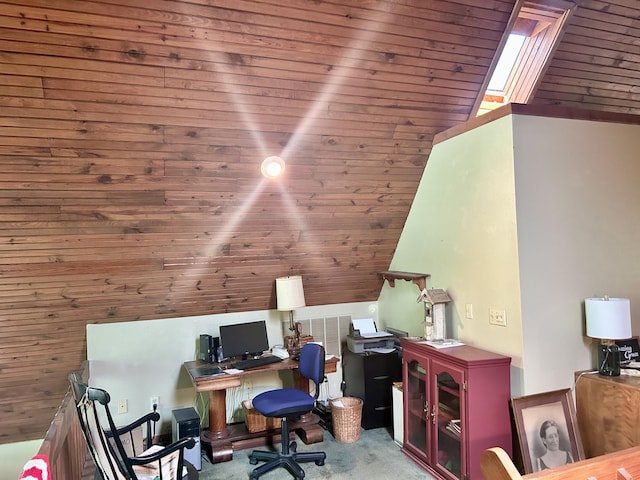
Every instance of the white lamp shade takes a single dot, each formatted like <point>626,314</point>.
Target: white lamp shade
<point>608,318</point>
<point>289,293</point>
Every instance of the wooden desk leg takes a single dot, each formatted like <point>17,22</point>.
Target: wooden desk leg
<point>217,415</point>
<point>308,429</point>
<point>307,425</point>
<point>302,383</point>
<point>217,443</point>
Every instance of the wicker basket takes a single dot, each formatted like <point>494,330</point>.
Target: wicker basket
<point>255,421</point>
<point>346,415</point>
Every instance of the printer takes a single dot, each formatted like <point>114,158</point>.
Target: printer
<point>364,336</point>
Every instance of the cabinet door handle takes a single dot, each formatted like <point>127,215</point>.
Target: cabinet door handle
<point>433,414</point>
<point>381,377</point>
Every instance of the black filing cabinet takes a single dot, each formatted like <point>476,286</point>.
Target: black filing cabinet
<point>370,376</point>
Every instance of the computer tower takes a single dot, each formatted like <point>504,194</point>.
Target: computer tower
<point>209,347</point>
<point>186,423</point>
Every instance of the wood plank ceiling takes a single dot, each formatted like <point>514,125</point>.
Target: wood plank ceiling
<point>131,135</point>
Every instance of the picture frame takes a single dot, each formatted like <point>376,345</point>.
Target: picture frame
<point>551,414</point>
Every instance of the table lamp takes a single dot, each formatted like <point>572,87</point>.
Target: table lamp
<point>608,319</point>
<point>290,295</point>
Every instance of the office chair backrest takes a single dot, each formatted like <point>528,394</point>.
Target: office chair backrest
<point>311,364</point>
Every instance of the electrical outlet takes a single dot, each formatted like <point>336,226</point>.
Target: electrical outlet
<point>122,406</point>
<point>498,316</point>
<point>154,400</point>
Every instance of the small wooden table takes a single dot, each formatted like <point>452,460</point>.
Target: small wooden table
<point>220,439</point>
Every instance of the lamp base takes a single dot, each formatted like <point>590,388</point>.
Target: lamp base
<point>294,345</point>
<point>609,360</point>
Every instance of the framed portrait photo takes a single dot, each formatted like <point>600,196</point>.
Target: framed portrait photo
<point>547,430</point>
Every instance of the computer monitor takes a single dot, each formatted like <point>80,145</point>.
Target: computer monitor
<point>244,339</point>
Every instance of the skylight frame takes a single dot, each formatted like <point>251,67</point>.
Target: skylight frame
<point>543,22</point>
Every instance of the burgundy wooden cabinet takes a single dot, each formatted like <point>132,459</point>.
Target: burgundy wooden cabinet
<point>456,405</point>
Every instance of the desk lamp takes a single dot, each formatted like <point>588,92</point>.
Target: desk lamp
<point>290,295</point>
<point>608,319</point>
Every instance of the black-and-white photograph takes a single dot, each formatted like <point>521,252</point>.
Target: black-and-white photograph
<point>549,445</point>
<point>547,432</point>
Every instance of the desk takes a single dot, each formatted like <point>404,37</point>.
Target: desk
<point>221,439</point>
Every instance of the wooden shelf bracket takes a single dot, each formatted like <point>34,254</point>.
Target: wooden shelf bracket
<point>420,279</point>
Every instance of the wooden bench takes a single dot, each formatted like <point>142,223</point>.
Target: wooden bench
<point>495,464</point>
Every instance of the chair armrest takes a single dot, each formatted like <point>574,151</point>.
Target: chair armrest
<point>497,465</point>
<point>148,418</point>
<point>137,441</point>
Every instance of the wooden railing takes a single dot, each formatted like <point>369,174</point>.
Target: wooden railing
<point>64,444</point>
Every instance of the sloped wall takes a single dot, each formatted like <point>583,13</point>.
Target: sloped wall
<point>533,215</point>
<point>462,231</point>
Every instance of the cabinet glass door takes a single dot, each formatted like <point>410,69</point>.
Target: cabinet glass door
<point>449,420</point>
<point>416,406</point>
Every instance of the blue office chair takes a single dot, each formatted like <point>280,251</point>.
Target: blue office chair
<point>291,402</point>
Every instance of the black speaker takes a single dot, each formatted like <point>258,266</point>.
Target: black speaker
<point>209,348</point>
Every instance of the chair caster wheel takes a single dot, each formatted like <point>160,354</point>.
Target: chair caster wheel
<point>293,447</point>
<point>319,462</point>
<point>253,461</point>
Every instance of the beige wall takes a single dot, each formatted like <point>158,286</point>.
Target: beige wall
<point>515,214</point>
<point>137,360</point>
<point>578,201</point>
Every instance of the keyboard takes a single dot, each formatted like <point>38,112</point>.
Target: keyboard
<point>255,362</point>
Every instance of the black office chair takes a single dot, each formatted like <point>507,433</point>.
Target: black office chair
<point>121,453</point>
<point>291,402</point>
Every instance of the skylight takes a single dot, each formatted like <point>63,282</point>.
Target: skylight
<point>533,32</point>
<point>507,61</point>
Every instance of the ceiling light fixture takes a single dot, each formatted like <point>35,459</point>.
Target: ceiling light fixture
<point>272,167</point>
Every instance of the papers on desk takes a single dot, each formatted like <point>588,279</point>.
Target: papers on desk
<point>206,371</point>
<point>202,371</point>
<point>446,343</point>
